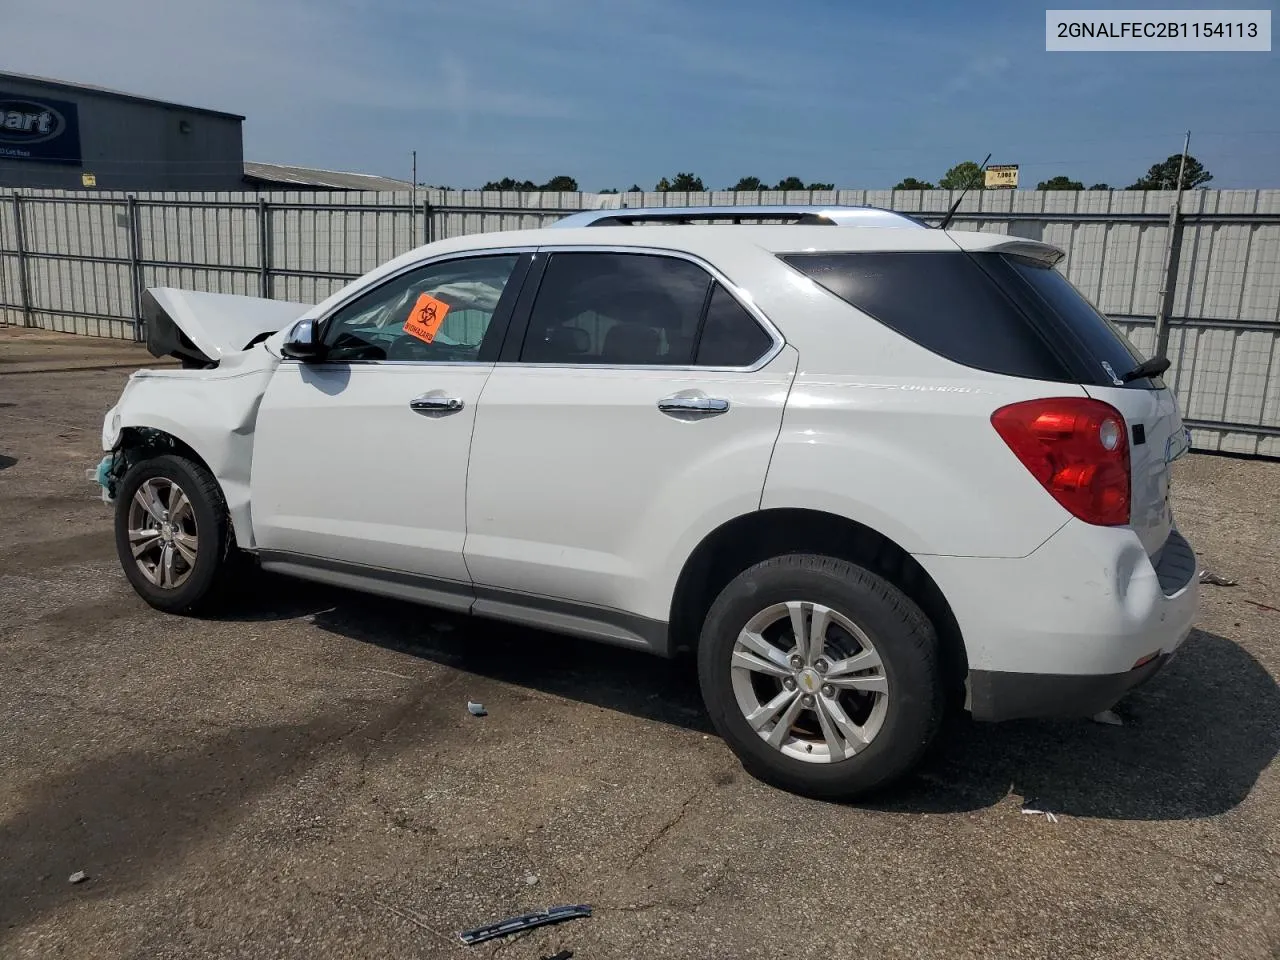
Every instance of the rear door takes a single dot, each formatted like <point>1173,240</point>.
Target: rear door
<point>1105,356</point>
<point>636,413</point>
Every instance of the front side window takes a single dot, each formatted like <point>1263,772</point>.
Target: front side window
<point>440,312</point>
<point>631,309</point>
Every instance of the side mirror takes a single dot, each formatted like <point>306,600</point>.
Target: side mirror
<point>302,343</point>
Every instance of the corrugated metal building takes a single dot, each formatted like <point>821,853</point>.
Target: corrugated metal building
<point>73,136</point>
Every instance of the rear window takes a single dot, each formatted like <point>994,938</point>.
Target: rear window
<point>1100,342</point>
<point>990,311</point>
<point>943,301</point>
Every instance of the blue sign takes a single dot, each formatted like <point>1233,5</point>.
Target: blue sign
<point>33,128</point>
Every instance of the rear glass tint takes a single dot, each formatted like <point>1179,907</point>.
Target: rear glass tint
<point>1101,343</point>
<point>943,301</point>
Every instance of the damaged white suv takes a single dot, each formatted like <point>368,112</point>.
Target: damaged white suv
<point>856,464</point>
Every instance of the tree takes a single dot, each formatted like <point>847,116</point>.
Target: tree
<point>507,183</point>
<point>749,183</point>
<point>963,174</point>
<point>1060,182</point>
<point>1101,186</point>
<point>682,181</point>
<point>561,183</point>
<point>821,186</point>
<point>790,183</point>
<point>635,188</point>
<point>1164,176</point>
<point>610,190</point>
<point>663,185</point>
<point>911,183</point>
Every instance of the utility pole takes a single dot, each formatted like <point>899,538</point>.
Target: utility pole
<point>1172,255</point>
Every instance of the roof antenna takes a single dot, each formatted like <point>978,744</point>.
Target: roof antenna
<point>946,221</point>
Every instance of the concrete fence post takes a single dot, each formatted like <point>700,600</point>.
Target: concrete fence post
<point>24,284</point>
<point>135,265</point>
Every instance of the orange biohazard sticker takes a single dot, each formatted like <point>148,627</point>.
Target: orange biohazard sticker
<point>425,318</point>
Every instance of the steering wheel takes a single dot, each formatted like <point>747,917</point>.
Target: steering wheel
<point>409,347</point>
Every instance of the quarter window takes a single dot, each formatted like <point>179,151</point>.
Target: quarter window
<point>730,336</point>
<point>372,327</point>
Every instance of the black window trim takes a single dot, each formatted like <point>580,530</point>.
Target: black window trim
<point>519,326</point>
<point>499,324</point>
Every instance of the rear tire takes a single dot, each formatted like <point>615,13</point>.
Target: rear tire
<point>861,698</point>
<point>173,534</point>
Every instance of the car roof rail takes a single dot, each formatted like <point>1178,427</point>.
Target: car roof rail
<point>833,216</point>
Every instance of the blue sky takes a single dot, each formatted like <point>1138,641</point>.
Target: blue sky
<point>624,91</point>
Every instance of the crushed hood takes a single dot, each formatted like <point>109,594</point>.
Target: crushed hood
<point>205,327</point>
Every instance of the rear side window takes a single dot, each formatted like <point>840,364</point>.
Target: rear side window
<point>943,301</point>
<point>616,308</point>
<point>633,309</point>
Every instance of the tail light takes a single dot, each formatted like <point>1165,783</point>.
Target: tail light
<point>1079,451</point>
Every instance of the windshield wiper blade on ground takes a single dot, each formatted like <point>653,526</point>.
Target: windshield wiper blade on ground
<point>529,920</point>
<point>1148,368</point>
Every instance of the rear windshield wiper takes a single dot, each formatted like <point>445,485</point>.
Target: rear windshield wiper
<point>1148,368</point>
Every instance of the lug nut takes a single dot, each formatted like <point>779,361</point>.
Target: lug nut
<point>789,683</point>
<point>821,666</point>
<point>808,700</point>
<point>796,663</point>
<point>829,691</point>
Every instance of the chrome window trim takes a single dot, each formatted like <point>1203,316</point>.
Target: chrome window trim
<point>738,293</point>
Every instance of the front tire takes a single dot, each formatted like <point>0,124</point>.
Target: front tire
<point>822,677</point>
<point>173,535</point>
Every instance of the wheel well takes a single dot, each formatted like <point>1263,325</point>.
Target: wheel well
<point>137,444</point>
<point>749,539</point>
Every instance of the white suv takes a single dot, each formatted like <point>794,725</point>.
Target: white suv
<point>856,464</point>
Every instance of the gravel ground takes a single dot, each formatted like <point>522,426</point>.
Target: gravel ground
<point>300,777</point>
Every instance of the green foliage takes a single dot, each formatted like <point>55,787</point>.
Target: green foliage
<point>1164,176</point>
<point>1060,182</point>
<point>911,183</point>
<point>528,186</point>
<point>749,183</point>
<point>963,174</point>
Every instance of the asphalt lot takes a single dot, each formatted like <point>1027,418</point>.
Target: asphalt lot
<point>301,778</point>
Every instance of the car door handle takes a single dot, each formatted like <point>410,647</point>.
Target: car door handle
<point>685,407</point>
<point>435,403</point>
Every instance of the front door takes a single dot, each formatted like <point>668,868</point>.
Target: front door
<point>361,459</point>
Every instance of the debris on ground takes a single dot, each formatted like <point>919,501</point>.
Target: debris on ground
<point>477,709</point>
<point>562,955</point>
<point>1219,879</point>
<point>1215,580</point>
<point>1031,810</point>
<point>78,877</point>
<point>526,921</point>
<point>530,879</point>
<point>1109,717</point>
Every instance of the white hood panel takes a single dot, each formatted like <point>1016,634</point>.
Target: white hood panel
<point>216,324</point>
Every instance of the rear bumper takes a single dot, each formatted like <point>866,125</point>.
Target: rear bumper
<point>1011,696</point>
<point>1069,629</point>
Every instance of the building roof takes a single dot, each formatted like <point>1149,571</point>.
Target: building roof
<point>283,174</point>
<point>65,85</point>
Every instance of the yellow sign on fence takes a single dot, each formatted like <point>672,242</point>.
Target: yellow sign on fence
<point>1002,175</point>
<point>88,180</point>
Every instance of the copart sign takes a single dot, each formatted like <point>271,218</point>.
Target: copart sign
<point>38,129</point>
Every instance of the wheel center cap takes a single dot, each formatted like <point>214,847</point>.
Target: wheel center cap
<point>808,680</point>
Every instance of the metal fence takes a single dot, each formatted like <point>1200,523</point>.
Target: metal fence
<point>78,262</point>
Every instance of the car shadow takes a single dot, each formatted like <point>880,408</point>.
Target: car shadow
<point>1193,743</point>
<point>6,461</point>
